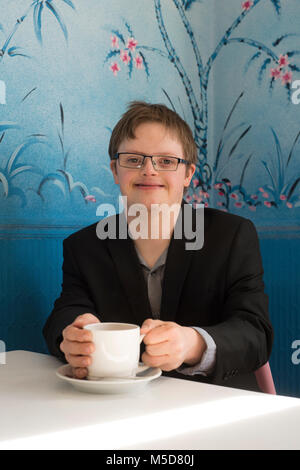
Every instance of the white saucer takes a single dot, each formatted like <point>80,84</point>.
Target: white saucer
<point>115,385</point>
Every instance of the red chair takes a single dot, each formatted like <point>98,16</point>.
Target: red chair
<point>265,380</point>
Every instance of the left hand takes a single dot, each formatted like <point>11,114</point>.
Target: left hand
<point>168,344</point>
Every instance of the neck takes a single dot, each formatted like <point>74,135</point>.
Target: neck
<point>155,223</point>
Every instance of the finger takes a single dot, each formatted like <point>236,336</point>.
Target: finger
<point>159,334</point>
<point>155,361</point>
<point>78,361</point>
<point>85,319</point>
<point>159,349</point>
<point>79,372</point>
<point>74,333</point>
<point>149,324</point>
<point>78,348</point>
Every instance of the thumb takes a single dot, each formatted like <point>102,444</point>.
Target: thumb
<point>85,319</point>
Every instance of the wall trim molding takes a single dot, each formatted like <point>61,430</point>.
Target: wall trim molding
<point>41,231</point>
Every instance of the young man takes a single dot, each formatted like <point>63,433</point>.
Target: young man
<point>204,312</point>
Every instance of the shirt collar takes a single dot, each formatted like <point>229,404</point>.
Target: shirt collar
<point>161,261</point>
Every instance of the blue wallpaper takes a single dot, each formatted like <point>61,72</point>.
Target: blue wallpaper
<point>68,68</point>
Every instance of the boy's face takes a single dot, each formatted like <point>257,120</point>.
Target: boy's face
<point>152,138</point>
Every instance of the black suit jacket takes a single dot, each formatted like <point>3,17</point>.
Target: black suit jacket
<point>219,288</point>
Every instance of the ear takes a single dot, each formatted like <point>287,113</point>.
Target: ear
<point>113,167</point>
<point>190,170</point>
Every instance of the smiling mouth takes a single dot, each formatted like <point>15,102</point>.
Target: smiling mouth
<point>150,185</point>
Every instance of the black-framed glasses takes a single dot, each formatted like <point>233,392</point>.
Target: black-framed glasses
<point>159,162</point>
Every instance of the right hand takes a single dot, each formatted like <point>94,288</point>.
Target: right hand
<point>77,344</point>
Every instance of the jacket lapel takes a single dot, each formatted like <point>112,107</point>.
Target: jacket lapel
<point>176,269</point>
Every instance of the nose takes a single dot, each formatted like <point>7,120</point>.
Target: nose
<point>148,167</point>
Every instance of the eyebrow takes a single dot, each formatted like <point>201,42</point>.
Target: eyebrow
<point>142,153</point>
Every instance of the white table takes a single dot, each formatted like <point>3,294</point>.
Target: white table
<point>39,411</point>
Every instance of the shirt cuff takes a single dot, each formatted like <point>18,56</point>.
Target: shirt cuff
<point>207,363</point>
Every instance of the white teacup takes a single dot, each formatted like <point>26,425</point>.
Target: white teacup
<point>117,350</point>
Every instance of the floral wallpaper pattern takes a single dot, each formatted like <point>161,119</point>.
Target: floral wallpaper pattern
<point>68,69</point>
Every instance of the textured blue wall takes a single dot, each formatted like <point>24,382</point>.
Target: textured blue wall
<point>68,70</point>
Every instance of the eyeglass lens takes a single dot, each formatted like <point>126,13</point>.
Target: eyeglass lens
<point>160,162</point>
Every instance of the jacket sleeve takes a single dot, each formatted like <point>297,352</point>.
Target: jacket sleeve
<point>244,337</point>
<point>73,301</point>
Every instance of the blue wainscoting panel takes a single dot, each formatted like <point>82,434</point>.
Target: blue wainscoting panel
<point>30,279</point>
<point>281,259</point>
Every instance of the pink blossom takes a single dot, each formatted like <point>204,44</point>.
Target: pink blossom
<point>247,5</point>
<point>286,78</point>
<point>90,197</point>
<point>283,60</point>
<point>252,208</point>
<point>282,197</point>
<point>238,204</point>
<point>195,183</point>
<point>221,193</point>
<point>267,203</point>
<point>206,204</point>
<point>125,57</point>
<point>261,190</point>
<point>138,62</point>
<point>220,204</point>
<point>197,198</point>
<point>114,42</point>
<point>115,68</point>
<point>275,73</point>
<point>234,196</point>
<point>206,195</point>
<point>218,186</point>
<point>254,196</point>
<point>188,198</point>
<point>266,195</point>
<point>131,44</point>
<point>289,205</point>
<point>228,183</point>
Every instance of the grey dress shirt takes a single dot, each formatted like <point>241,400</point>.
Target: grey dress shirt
<point>154,279</point>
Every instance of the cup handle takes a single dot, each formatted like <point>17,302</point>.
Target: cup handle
<point>141,338</point>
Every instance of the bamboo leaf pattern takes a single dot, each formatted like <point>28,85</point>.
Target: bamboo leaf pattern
<point>292,149</point>
<point>119,35</point>
<point>284,36</point>
<point>4,182</point>
<point>18,151</point>
<point>220,146</point>
<point>251,60</point>
<point>13,51</point>
<point>22,168</point>
<point>263,69</point>
<point>145,64</point>
<point>277,6</point>
<point>280,160</point>
<point>58,16</point>
<point>294,186</point>
<point>37,20</point>
<point>8,125</point>
<point>70,3</point>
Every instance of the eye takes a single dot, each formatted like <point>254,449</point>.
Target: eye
<point>165,161</point>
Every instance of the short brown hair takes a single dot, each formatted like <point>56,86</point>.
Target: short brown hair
<point>139,112</point>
